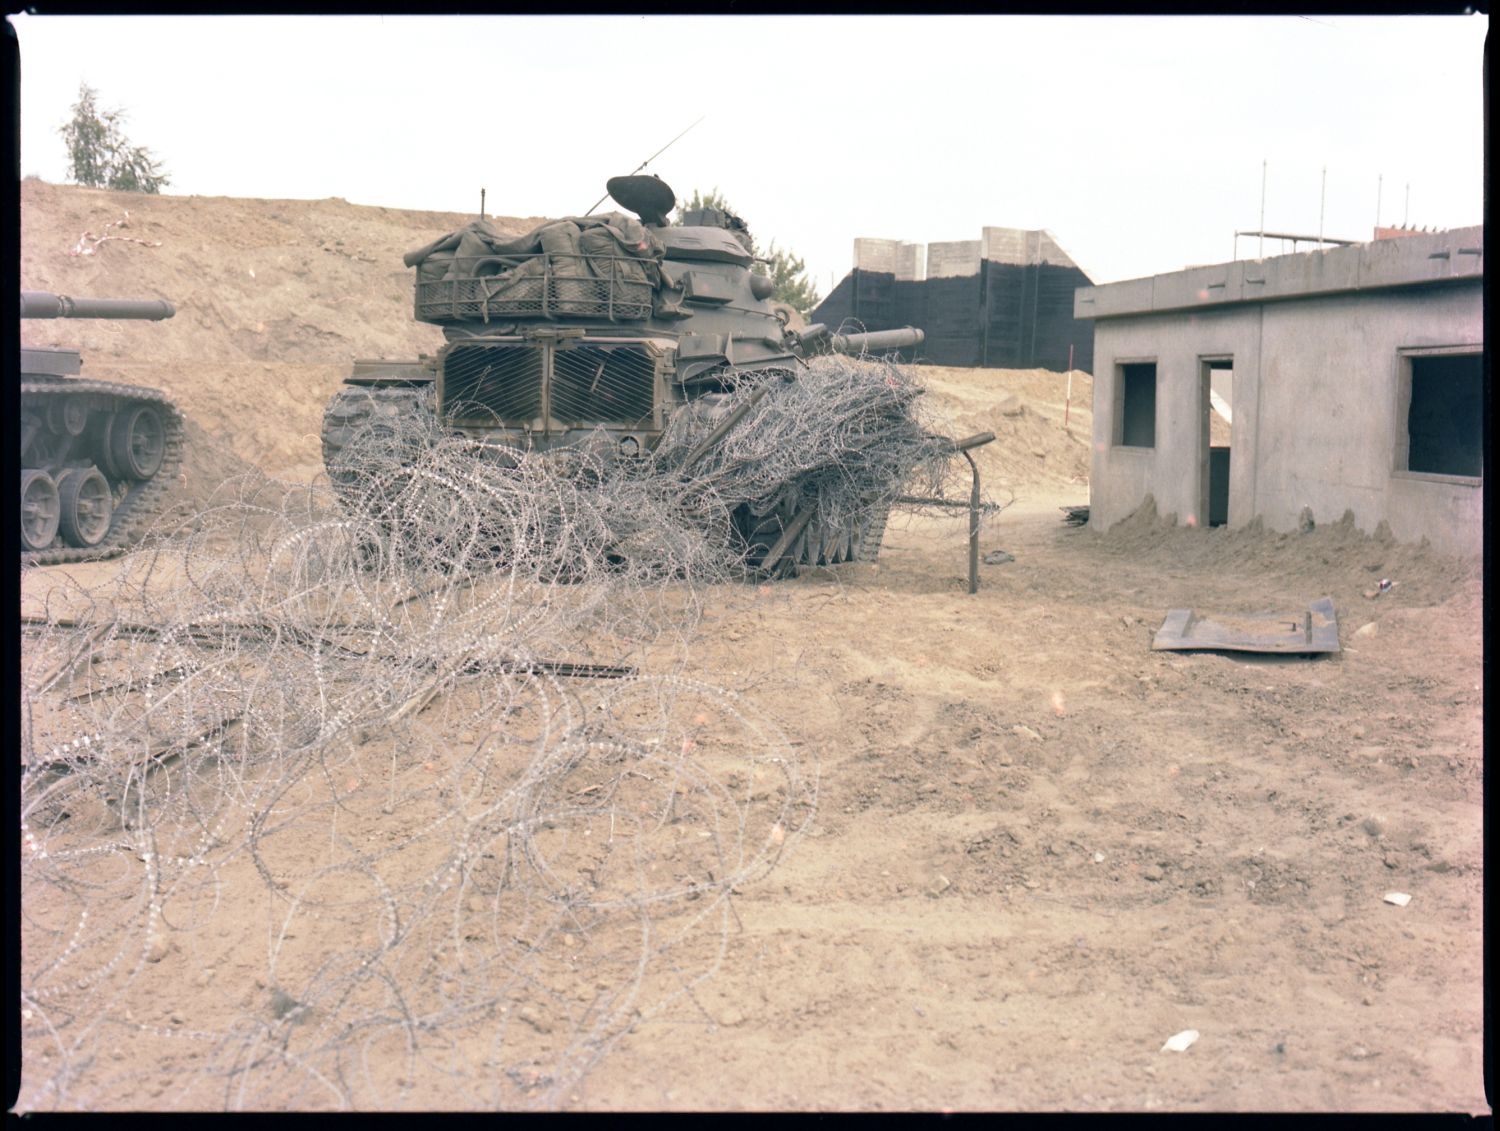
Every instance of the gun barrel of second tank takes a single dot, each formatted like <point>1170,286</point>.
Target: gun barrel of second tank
<point>877,341</point>
<point>44,304</point>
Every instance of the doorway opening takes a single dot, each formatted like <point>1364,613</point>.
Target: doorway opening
<point>1215,436</point>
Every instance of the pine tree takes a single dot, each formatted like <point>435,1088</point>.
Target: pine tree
<point>101,156</point>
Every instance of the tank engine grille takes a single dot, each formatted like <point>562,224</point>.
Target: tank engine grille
<point>610,384</point>
<point>493,385</point>
<point>547,387</point>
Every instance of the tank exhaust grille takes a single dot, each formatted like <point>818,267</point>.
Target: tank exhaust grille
<point>492,386</point>
<point>602,384</point>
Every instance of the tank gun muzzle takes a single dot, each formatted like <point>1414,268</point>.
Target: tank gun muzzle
<point>44,304</point>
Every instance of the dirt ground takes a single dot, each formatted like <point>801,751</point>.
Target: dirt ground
<point>1039,848</point>
<point>1042,849</point>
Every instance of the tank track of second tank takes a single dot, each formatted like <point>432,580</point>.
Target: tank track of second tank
<point>143,502</point>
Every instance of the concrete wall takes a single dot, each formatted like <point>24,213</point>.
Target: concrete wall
<point>875,255</point>
<point>911,262</point>
<point>905,261</point>
<point>1020,247</point>
<point>1316,412</point>
<point>954,258</point>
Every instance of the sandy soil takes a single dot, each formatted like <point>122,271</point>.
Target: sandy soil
<point>1040,848</point>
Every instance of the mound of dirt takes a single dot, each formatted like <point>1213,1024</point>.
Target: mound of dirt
<point>275,299</point>
<point>1337,556</point>
<point>1042,433</point>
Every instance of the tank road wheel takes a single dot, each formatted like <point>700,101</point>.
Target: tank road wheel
<point>137,442</point>
<point>75,416</point>
<point>39,510</point>
<point>86,504</point>
<point>68,416</point>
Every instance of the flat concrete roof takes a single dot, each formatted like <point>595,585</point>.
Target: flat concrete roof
<point>1428,257</point>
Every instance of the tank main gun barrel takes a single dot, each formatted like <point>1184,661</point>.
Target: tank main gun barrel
<point>877,341</point>
<point>43,304</point>
<point>817,339</point>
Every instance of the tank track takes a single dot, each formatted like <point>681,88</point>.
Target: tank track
<point>355,408</point>
<point>815,545</point>
<point>872,536</point>
<point>133,514</point>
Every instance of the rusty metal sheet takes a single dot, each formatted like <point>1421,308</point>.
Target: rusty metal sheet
<point>1314,630</point>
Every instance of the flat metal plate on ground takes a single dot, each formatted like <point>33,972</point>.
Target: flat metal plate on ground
<point>1315,630</point>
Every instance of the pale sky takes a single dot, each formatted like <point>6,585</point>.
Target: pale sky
<point>1138,142</point>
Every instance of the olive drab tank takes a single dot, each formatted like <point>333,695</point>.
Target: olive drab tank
<point>594,332</point>
<point>97,457</point>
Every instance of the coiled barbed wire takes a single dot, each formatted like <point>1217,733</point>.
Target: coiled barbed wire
<point>395,791</point>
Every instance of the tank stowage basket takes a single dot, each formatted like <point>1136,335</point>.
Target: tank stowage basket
<point>538,286</point>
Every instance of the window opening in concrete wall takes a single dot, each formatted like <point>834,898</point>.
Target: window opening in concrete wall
<point>1135,405</point>
<point>1215,438</point>
<point>1444,400</point>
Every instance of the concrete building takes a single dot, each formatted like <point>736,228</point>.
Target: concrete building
<point>1352,380</point>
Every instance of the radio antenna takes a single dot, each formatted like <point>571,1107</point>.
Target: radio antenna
<point>646,162</point>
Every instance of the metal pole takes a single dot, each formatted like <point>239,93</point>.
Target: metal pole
<point>1322,200</point>
<point>481,204</point>
<point>973,527</point>
<point>1260,247</point>
<point>966,446</point>
<point>1068,403</point>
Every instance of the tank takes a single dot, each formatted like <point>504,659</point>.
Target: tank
<point>594,333</point>
<point>97,457</point>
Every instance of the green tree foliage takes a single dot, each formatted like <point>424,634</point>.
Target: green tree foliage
<point>788,272</point>
<point>793,287</point>
<point>99,153</point>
